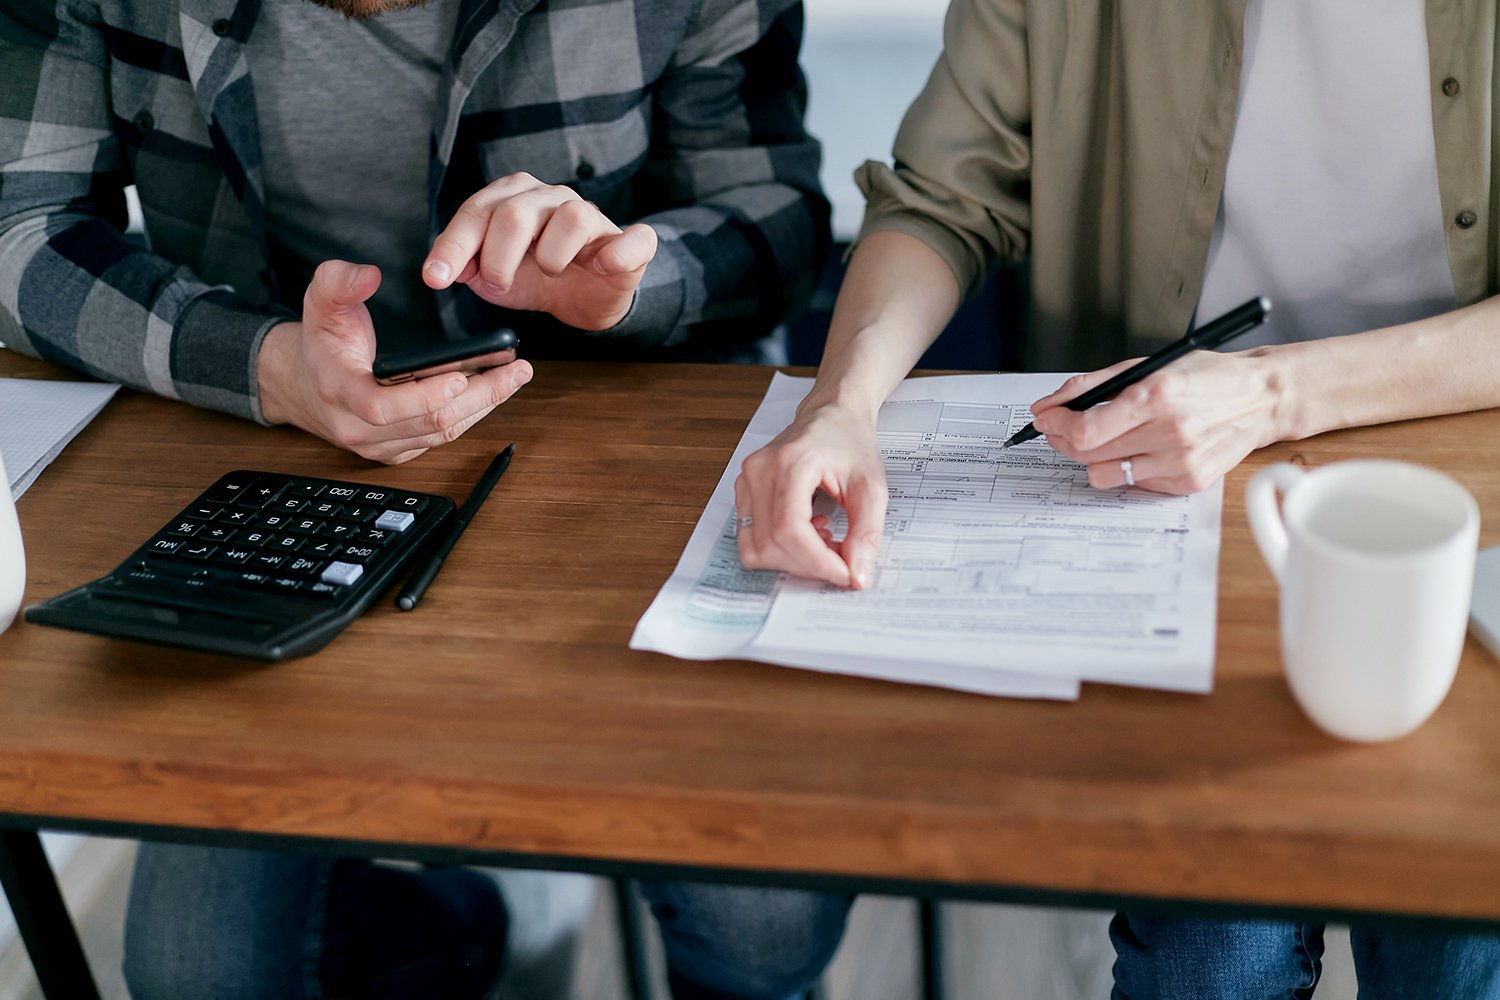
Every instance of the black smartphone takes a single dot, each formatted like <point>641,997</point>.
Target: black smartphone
<point>470,355</point>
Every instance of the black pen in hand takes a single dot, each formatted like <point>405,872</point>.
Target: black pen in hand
<point>430,561</point>
<point>1222,330</point>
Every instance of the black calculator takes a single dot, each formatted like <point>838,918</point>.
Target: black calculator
<point>262,565</point>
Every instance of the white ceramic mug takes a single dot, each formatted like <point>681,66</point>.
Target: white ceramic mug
<point>1376,566</point>
<point>12,558</point>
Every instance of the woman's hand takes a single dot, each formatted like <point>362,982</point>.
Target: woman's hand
<point>831,448</point>
<point>1181,428</point>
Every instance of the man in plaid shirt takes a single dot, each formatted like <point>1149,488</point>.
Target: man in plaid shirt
<point>624,178</point>
<point>483,153</point>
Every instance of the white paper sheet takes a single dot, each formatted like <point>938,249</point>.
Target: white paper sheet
<point>38,418</point>
<point>1000,572</point>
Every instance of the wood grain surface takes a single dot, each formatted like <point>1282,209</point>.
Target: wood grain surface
<point>506,714</point>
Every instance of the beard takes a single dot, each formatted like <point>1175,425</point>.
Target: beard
<point>362,10</point>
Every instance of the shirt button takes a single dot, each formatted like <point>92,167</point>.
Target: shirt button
<point>222,27</point>
<point>145,121</point>
<point>585,170</point>
<point>1450,87</point>
<point>1466,219</point>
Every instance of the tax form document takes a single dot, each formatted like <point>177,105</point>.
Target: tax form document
<point>997,566</point>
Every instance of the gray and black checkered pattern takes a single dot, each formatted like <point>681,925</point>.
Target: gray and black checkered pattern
<point>686,114</point>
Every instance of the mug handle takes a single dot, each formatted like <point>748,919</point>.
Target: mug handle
<point>1265,517</point>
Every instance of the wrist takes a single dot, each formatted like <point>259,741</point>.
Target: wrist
<point>274,372</point>
<point>844,401</point>
<point>1287,418</point>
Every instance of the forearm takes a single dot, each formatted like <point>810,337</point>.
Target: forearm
<point>74,292</point>
<point>896,299</point>
<point>1444,364</point>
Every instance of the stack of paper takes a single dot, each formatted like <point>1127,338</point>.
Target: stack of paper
<point>37,420</point>
<point>1001,571</point>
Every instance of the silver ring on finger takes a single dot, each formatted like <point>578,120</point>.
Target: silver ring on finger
<point>1128,468</point>
<point>746,521</point>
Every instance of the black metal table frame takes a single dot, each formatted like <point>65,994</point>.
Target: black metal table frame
<point>63,973</point>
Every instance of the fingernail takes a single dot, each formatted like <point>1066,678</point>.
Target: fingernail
<point>520,379</point>
<point>439,270</point>
<point>354,273</point>
<point>861,571</point>
<point>456,387</point>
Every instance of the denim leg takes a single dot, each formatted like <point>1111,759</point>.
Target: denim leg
<point>228,924</point>
<point>221,923</point>
<point>1423,965</point>
<point>1173,958</point>
<point>739,943</point>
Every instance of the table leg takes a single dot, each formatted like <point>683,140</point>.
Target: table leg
<point>931,918</point>
<point>45,926</point>
<point>632,939</point>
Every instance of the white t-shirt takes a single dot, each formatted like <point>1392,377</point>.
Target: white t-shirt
<point>1331,204</point>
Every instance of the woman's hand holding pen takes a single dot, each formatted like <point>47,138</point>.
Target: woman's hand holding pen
<point>1181,428</point>
<point>831,448</point>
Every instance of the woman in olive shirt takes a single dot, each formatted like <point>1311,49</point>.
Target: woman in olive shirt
<point>1155,161</point>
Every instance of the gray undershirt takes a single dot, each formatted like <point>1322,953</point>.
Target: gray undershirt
<point>345,113</point>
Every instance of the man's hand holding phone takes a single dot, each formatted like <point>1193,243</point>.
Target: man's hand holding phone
<point>316,374</point>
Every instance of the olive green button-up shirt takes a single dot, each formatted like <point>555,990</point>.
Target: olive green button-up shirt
<point>1093,136</point>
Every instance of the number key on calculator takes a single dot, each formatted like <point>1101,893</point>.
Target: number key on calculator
<point>262,565</point>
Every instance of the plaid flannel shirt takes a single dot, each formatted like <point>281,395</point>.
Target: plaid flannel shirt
<point>686,114</point>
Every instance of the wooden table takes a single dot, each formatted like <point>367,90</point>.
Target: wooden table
<point>506,720</point>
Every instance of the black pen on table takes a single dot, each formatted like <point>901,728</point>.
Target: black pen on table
<point>1239,320</point>
<point>429,562</point>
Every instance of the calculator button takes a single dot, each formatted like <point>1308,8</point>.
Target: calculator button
<point>410,503</point>
<point>166,546</point>
<point>375,497</point>
<point>155,573</point>
<point>236,555</point>
<point>286,543</point>
<point>322,548</point>
<point>185,529</point>
<point>320,589</point>
<point>289,505</point>
<point>278,521</point>
<point>259,493</point>
<point>304,489</point>
<point>303,566</point>
<point>342,573</point>
<point>198,552</point>
<point>229,489</point>
<point>203,511</point>
<point>246,578</point>
<point>376,536</point>
<point>341,532</point>
<point>285,584</point>
<point>358,553</point>
<point>342,492</point>
<point>395,520</point>
<point>215,533</point>
<point>324,508</point>
<point>359,515</point>
<point>305,526</point>
<point>255,539</point>
<point>267,561</point>
<point>236,516</point>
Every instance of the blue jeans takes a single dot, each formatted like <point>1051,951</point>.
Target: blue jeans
<point>233,924</point>
<point>1174,958</point>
